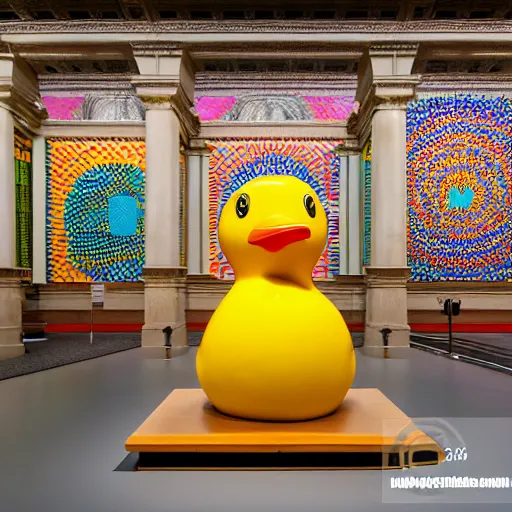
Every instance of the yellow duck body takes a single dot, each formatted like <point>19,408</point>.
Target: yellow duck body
<point>276,348</point>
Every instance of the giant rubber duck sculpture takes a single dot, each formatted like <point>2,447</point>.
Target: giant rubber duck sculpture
<point>276,348</point>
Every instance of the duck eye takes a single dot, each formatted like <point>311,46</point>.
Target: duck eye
<point>242,206</point>
<point>309,203</point>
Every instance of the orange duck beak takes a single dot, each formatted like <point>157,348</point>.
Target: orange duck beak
<point>278,237</point>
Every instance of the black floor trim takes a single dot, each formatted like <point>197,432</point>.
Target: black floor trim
<point>273,460</point>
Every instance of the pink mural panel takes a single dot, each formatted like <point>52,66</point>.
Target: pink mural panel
<point>213,108</point>
<point>330,108</point>
<point>64,108</point>
<point>323,108</point>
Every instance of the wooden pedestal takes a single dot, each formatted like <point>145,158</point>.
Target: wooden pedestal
<point>368,432</point>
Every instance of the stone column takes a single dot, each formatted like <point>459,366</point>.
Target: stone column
<point>354,214</point>
<point>11,344</point>
<point>384,89</point>
<point>20,103</point>
<point>165,86</point>
<point>194,213</point>
<point>343,226</point>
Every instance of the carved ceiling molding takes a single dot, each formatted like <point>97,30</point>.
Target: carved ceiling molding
<point>392,48</point>
<point>203,77</point>
<point>26,114</point>
<point>224,83</point>
<point>111,83</point>
<point>19,92</point>
<point>256,26</point>
<point>154,48</point>
<point>269,51</point>
<point>472,81</point>
<point>298,48</point>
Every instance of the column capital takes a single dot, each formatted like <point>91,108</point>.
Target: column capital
<point>176,100</point>
<point>347,146</point>
<point>166,81</point>
<point>19,91</point>
<point>385,80</point>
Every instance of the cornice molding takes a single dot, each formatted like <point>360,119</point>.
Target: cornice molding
<point>328,83</point>
<point>270,52</point>
<point>256,26</point>
<point>84,77</point>
<point>152,49</point>
<point>456,82</point>
<point>19,92</point>
<point>385,49</point>
<point>109,83</point>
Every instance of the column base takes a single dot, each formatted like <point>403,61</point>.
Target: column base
<point>163,352</point>
<point>11,306</point>
<point>386,328</point>
<point>10,351</point>
<point>386,352</point>
<point>164,307</point>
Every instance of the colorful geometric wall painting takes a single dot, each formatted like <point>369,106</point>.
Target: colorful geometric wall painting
<point>233,163</point>
<point>23,182</point>
<point>459,181</point>
<point>249,108</point>
<point>366,165</point>
<point>95,203</point>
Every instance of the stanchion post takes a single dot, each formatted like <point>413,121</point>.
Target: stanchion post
<point>451,308</point>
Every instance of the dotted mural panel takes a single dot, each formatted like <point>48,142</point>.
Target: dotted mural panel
<point>459,183</point>
<point>23,183</point>
<point>366,157</point>
<point>234,163</point>
<point>261,107</point>
<point>95,203</point>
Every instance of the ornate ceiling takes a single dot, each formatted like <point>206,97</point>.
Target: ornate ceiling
<point>276,62</point>
<point>155,10</point>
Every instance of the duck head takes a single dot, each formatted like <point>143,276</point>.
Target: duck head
<point>274,227</point>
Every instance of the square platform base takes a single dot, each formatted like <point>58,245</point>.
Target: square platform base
<point>367,432</point>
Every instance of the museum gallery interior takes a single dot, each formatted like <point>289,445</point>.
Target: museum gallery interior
<point>125,126</point>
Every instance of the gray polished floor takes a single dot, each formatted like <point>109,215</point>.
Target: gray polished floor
<point>62,433</point>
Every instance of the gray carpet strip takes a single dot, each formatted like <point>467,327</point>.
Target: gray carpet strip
<point>61,349</point>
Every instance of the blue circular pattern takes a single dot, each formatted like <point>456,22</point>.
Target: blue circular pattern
<point>459,182</point>
<point>272,165</point>
<point>104,222</point>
